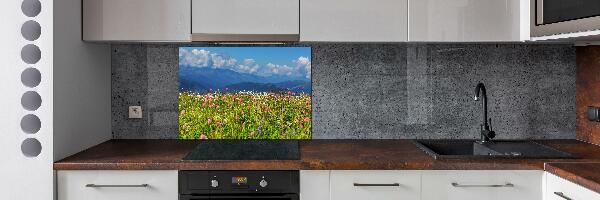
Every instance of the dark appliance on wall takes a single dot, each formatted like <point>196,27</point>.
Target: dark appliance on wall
<point>237,185</point>
<point>551,17</point>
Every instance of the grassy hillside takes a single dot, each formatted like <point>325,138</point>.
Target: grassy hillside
<point>244,115</point>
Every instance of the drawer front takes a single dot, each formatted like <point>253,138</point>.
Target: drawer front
<point>477,185</point>
<point>117,185</point>
<point>375,185</point>
<point>560,189</point>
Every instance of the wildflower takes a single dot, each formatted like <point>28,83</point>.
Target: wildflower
<point>306,119</point>
<point>226,89</point>
<point>209,121</point>
<point>219,123</point>
<point>260,130</point>
<point>252,133</point>
<point>203,137</point>
<point>290,93</point>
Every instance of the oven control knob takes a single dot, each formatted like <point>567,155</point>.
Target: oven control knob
<point>214,183</point>
<point>263,183</point>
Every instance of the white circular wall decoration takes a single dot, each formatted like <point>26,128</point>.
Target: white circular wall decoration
<point>31,8</point>
<point>31,147</point>
<point>31,30</point>
<point>31,54</point>
<point>31,100</point>
<point>31,77</point>
<point>31,124</point>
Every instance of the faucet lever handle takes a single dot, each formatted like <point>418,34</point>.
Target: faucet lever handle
<point>491,129</point>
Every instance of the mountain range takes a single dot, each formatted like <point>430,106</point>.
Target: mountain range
<point>203,79</point>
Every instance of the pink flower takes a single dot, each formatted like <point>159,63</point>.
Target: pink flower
<point>209,121</point>
<point>306,119</point>
<point>203,137</point>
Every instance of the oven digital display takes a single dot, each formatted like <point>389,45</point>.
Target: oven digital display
<point>239,180</point>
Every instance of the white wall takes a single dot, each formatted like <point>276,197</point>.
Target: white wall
<point>21,177</point>
<point>82,110</point>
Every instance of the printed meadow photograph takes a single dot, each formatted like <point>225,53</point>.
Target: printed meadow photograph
<point>245,93</point>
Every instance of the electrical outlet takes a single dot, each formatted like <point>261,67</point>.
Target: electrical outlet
<point>135,112</point>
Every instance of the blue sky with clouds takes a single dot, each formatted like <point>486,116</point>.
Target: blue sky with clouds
<point>262,61</point>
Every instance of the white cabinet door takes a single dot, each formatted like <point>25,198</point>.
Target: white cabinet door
<point>136,20</point>
<point>560,189</point>
<point>354,20</point>
<point>214,20</point>
<point>314,185</point>
<point>375,185</point>
<point>482,185</point>
<point>117,185</point>
<point>468,20</point>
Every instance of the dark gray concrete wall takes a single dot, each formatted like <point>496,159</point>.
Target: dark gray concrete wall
<point>368,91</point>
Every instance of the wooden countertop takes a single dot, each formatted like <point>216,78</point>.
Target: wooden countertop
<point>584,174</point>
<point>314,155</point>
<point>332,155</point>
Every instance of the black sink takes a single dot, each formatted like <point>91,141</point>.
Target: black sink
<point>470,149</point>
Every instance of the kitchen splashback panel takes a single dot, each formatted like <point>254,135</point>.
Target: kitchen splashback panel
<point>373,91</point>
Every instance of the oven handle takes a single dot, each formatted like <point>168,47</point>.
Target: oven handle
<point>285,196</point>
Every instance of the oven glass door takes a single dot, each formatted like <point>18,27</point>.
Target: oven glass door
<point>554,11</point>
<point>242,197</point>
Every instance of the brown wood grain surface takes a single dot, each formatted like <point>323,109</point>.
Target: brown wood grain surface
<point>584,174</point>
<point>588,92</point>
<point>314,154</point>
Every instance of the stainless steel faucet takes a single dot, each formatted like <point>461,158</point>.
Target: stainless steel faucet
<point>487,134</point>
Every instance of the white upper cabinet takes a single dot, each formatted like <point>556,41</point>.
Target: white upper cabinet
<point>469,20</point>
<point>136,20</point>
<point>354,20</point>
<point>245,20</point>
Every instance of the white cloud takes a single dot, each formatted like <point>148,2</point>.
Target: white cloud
<point>280,69</point>
<point>204,58</point>
<point>231,62</point>
<point>194,58</point>
<point>303,65</point>
<point>219,61</point>
<point>248,66</point>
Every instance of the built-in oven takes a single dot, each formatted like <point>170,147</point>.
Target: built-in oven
<point>552,17</point>
<point>237,185</point>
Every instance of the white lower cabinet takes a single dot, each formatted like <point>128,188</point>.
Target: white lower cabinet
<point>421,185</point>
<point>560,189</point>
<point>117,185</point>
<point>375,185</point>
<point>482,185</point>
<point>314,184</point>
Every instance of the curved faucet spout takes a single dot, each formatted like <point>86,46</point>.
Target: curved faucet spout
<point>486,133</point>
<point>481,88</point>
